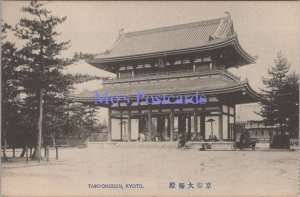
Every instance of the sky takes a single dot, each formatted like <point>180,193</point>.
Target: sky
<point>263,28</point>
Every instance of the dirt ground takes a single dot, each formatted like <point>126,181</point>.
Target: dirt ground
<point>151,172</point>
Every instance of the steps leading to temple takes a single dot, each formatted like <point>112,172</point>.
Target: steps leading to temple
<point>133,145</point>
<point>162,145</point>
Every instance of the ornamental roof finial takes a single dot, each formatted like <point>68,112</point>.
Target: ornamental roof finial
<point>121,32</point>
<point>228,14</point>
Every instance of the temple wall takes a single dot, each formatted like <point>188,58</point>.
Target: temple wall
<point>134,129</point>
<point>115,129</point>
<point>225,127</point>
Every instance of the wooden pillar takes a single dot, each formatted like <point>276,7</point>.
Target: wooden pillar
<point>168,128</point>
<point>150,123</point>
<point>161,125</point>
<point>234,134</point>
<point>234,115</point>
<point>121,125</point>
<point>228,123</point>
<point>140,125</point>
<point>189,123</point>
<point>195,123</point>
<point>182,124</point>
<point>129,126</point>
<point>109,125</point>
<point>183,121</point>
<point>202,125</point>
<point>26,151</point>
<point>221,125</point>
<point>172,125</point>
<point>189,134</point>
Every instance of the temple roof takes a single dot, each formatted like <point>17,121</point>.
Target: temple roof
<point>216,84</point>
<point>203,35</point>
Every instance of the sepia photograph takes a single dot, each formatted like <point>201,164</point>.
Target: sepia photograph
<point>150,98</point>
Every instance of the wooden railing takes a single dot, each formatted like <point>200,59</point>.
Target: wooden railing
<point>169,74</point>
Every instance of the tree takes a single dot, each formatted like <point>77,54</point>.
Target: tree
<point>292,91</point>
<point>35,73</point>
<point>42,64</point>
<point>9,86</point>
<point>280,98</point>
<point>90,118</point>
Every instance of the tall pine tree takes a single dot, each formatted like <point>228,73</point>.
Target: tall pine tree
<point>9,86</point>
<point>42,62</point>
<point>292,91</point>
<point>280,98</point>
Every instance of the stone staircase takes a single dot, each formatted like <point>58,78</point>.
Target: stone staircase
<point>161,145</point>
<point>133,145</point>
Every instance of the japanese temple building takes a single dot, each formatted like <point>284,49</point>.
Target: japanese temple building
<point>175,60</point>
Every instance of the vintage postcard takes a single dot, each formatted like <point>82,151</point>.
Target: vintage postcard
<point>150,98</point>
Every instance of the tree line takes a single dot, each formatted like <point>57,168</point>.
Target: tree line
<point>35,91</point>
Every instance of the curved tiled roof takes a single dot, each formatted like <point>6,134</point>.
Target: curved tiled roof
<point>171,38</point>
<point>215,84</point>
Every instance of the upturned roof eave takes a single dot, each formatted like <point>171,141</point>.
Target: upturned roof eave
<point>223,43</point>
<point>250,59</point>
<point>242,86</point>
<point>255,95</point>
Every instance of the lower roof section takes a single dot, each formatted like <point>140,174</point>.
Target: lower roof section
<point>221,85</point>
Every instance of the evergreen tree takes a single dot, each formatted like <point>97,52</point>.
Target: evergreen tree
<point>36,72</point>
<point>9,86</point>
<point>280,98</point>
<point>42,62</point>
<point>292,91</point>
<point>90,118</point>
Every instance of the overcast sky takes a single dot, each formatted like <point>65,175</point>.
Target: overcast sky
<point>263,28</point>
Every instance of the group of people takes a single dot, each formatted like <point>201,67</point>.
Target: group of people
<point>182,138</point>
<point>213,139</point>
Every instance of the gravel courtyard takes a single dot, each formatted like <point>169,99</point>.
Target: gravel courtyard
<point>230,173</point>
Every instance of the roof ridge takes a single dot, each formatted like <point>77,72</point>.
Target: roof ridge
<point>175,27</point>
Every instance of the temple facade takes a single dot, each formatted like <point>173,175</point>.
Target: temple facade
<point>177,60</point>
